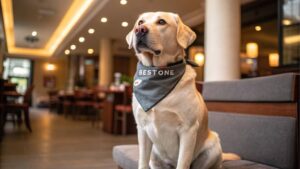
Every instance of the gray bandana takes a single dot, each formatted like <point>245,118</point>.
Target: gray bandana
<point>152,84</point>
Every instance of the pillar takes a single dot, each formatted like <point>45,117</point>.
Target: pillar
<point>71,73</point>
<point>222,40</point>
<point>105,62</point>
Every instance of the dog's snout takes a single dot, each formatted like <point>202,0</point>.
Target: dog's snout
<point>141,31</point>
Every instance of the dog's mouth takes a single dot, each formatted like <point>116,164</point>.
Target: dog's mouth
<point>142,47</point>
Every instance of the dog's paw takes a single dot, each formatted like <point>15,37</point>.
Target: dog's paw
<point>230,157</point>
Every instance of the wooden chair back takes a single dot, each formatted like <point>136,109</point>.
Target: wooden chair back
<point>127,96</point>
<point>28,93</point>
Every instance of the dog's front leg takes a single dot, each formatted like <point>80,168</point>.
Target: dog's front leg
<point>187,146</point>
<point>145,147</point>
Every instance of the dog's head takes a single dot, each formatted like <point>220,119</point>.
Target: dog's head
<point>159,38</point>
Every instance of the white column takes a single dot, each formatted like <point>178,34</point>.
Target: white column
<point>222,40</point>
<point>105,62</point>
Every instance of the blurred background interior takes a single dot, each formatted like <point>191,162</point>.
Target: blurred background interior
<point>70,58</point>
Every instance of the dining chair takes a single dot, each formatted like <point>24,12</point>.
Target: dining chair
<point>22,107</point>
<point>121,111</point>
<point>1,108</point>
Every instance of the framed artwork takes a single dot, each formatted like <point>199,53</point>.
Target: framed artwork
<point>49,81</point>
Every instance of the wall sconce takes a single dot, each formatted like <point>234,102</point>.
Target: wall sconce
<point>274,59</point>
<point>199,58</point>
<point>252,50</point>
<point>50,67</point>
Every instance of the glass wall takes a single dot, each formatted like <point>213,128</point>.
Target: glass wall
<point>290,32</point>
<point>18,71</point>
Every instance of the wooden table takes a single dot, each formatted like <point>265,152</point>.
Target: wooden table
<point>14,94</point>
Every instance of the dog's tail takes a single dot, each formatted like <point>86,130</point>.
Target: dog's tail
<point>230,157</point>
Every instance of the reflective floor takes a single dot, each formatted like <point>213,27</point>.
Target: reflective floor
<point>58,143</point>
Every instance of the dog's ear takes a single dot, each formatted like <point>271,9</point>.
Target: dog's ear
<point>129,39</point>
<point>185,35</point>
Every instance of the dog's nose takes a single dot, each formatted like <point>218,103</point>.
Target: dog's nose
<point>141,31</point>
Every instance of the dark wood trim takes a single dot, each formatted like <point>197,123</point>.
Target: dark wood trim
<point>270,109</point>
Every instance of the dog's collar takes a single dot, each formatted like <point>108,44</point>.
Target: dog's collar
<point>186,61</point>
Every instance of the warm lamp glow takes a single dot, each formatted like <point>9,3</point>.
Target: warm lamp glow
<point>50,67</point>
<point>292,39</point>
<point>252,50</point>
<point>258,28</point>
<point>286,22</point>
<point>274,59</point>
<point>199,58</point>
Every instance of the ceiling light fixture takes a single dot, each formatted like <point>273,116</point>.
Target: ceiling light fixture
<point>124,24</point>
<point>123,2</point>
<point>90,51</point>
<point>33,33</point>
<point>258,28</point>
<point>81,39</point>
<point>91,31</point>
<point>67,51</point>
<point>73,47</point>
<point>103,19</point>
<point>74,12</point>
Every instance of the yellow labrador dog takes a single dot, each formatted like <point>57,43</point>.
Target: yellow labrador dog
<point>172,133</point>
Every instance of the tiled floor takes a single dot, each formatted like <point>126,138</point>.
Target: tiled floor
<point>58,143</point>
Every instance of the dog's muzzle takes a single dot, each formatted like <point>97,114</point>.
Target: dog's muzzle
<point>141,33</point>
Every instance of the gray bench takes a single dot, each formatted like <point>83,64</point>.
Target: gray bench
<point>263,140</point>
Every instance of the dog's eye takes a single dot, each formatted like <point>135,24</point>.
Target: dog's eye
<point>161,22</point>
<point>140,22</point>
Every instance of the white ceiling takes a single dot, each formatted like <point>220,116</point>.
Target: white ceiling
<point>117,13</point>
<point>44,16</point>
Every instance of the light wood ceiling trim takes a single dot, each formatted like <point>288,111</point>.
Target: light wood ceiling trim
<point>74,13</point>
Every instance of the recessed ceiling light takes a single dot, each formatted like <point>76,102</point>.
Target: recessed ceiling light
<point>123,2</point>
<point>258,28</point>
<point>286,22</point>
<point>67,51</point>
<point>81,39</point>
<point>103,19</point>
<point>73,47</point>
<point>91,31</point>
<point>124,24</point>
<point>34,33</point>
<point>90,51</point>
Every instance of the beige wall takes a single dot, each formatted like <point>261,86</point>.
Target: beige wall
<point>39,72</point>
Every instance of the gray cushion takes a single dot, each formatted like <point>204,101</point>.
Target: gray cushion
<point>244,164</point>
<point>264,139</point>
<point>261,89</point>
<point>126,156</point>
